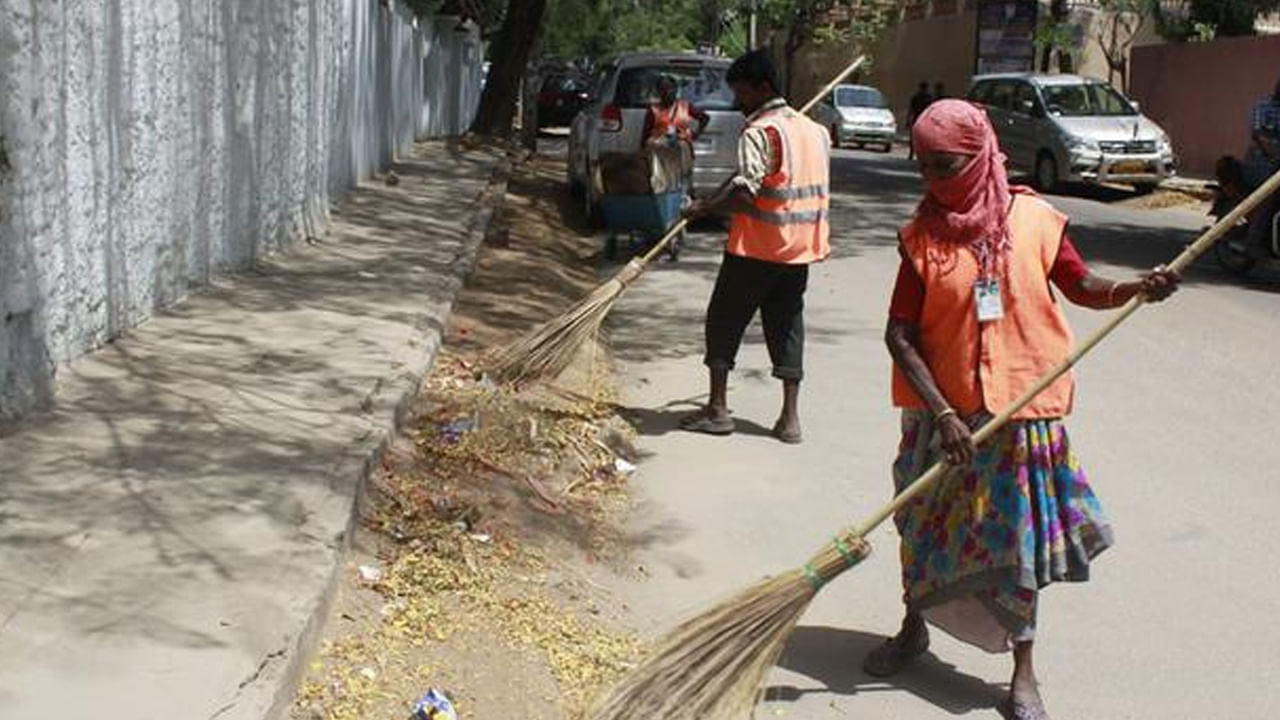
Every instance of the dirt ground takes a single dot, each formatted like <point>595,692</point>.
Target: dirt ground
<point>467,573</point>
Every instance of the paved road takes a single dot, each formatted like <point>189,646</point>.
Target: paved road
<point>1174,424</point>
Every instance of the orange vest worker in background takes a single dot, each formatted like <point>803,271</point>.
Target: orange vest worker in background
<point>779,200</point>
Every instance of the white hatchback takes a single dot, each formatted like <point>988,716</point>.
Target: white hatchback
<point>857,115</point>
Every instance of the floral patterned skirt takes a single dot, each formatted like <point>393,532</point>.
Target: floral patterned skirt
<point>978,546</point>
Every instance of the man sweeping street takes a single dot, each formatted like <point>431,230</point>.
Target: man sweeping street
<point>779,206</point>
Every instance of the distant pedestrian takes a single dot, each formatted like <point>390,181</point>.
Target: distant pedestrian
<point>939,92</point>
<point>919,103</point>
<point>973,324</point>
<point>1263,160</point>
<point>780,203</point>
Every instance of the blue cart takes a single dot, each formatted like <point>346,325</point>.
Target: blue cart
<point>642,220</point>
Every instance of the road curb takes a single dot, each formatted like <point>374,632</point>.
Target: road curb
<point>393,406</point>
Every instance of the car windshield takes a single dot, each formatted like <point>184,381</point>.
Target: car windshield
<point>860,97</point>
<point>1086,99</point>
<point>702,85</point>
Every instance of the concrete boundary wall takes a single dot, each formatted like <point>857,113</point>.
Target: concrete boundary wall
<point>147,145</point>
<point>1203,93</point>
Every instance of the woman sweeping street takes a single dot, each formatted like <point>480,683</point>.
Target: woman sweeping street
<point>973,323</point>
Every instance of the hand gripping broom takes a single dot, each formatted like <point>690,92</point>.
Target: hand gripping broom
<point>548,349</point>
<point>711,666</point>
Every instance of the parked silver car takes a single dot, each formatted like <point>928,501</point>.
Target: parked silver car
<point>857,115</point>
<point>614,121</point>
<point>1066,128</point>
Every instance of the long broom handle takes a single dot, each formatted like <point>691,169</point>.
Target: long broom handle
<point>1188,256</point>
<point>684,222</point>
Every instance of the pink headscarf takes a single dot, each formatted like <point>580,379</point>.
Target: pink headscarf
<point>971,208</point>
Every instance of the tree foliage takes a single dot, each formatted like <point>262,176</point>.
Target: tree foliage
<point>593,28</point>
<point>1207,19</point>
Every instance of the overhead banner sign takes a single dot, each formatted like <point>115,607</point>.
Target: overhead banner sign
<point>1006,36</point>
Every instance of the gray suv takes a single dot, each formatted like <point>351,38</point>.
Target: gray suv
<point>623,89</point>
<point>1066,128</point>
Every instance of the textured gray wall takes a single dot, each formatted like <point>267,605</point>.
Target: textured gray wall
<point>146,145</point>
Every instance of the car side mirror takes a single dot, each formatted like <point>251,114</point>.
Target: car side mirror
<point>1137,106</point>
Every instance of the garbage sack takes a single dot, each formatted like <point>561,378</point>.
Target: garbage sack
<point>669,165</point>
<point>626,173</point>
<point>652,171</point>
<point>435,705</point>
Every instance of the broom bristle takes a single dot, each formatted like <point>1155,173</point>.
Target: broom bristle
<point>712,666</point>
<point>549,348</point>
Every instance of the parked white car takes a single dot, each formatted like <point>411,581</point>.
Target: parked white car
<point>857,115</point>
<point>1067,128</point>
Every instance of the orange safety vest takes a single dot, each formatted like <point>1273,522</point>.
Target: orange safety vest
<point>788,220</point>
<point>678,117</point>
<point>987,366</point>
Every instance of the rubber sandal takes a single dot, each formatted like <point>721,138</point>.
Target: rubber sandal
<point>889,659</point>
<point>701,422</point>
<point>794,437</point>
<point>1013,710</point>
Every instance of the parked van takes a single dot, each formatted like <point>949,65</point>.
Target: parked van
<point>1067,128</point>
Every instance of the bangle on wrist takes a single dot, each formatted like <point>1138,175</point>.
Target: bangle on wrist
<point>1111,294</point>
<point>943,415</point>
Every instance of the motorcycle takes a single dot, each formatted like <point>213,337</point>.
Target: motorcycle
<point>1236,252</point>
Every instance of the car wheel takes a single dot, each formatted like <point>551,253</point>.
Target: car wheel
<point>1046,172</point>
<point>888,148</point>
<point>1145,188</point>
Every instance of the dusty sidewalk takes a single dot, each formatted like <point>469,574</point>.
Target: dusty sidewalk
<point>171,528</point>
<point>468,568</point>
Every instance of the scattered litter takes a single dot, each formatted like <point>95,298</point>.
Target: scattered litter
<point>622,467</point>
<point>369,674</point>
<point>481,537</point>
<point>435,705</point>
<point>451,432</point>
<point>370,573</point>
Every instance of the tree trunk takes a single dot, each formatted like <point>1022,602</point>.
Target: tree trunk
<point>511,49</point>
<point>1059,13</point>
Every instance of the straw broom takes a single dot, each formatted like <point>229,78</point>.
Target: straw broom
<point>549,348</point>
<point>712,666</point>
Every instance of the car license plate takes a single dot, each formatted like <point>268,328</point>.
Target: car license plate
<point>1134,167</point>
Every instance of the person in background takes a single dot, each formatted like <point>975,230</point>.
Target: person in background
<point>939,92</point>
<point>672,118</point>
<point>919,103</point>
<point>674,122</point>
<point>1262,161</point>
<point>973,324</point>
<point>779,202</point>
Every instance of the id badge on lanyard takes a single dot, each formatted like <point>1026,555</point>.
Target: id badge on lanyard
<point>986,296</point>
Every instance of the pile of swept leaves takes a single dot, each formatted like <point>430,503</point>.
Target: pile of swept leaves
<point>564,447</point>
<point>452,560</point>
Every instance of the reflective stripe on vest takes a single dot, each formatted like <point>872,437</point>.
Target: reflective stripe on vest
<point>987,366</point>
<point>788,221</point>
<point>795,193</point>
